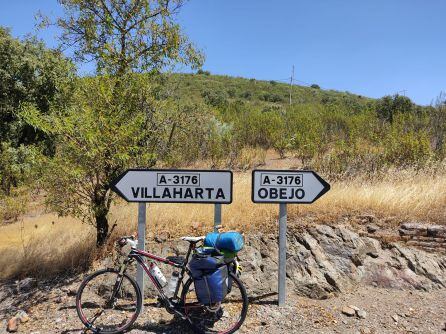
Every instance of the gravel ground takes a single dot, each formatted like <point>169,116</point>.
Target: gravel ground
<point>387,311</point>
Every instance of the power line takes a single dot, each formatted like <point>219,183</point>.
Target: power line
<point>291,84</point>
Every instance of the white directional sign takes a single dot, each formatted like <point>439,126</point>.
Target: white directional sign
<point>283,187</point>
<point>175,186</point>
<point>290,186</point>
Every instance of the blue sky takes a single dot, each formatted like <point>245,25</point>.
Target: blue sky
<point>369,47</point>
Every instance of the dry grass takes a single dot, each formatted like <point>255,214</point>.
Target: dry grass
<point>51,248</point>
<point>44,246</point>
<point>404,195</point>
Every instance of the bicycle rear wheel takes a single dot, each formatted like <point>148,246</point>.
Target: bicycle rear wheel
<point>224,318</point>
<point>108,302</point>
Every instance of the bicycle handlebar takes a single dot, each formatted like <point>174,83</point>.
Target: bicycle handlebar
<point>129,239</point>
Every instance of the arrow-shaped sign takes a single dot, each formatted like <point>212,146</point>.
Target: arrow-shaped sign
<point>292,186</point>
<point>174,186</point>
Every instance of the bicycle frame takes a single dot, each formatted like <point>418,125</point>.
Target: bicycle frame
<point>139,255</point>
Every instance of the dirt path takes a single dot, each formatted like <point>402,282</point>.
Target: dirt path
<point>387,311</point>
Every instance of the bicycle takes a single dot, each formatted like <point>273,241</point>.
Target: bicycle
<point>109,300</point>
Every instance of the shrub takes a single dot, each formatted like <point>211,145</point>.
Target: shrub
<point>215,98</point>
<point>202,72</point>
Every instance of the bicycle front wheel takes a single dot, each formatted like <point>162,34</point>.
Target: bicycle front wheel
<point>108,302</point>
<point>223,318</point>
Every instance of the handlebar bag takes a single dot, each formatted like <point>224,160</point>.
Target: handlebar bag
<point>210,275</point>
<point>227,241</point>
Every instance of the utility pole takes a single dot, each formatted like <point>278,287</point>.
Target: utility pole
<point>291,83</point>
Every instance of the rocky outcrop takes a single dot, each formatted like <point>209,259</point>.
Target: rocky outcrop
<point>431,238</point>
<point>323,260</point>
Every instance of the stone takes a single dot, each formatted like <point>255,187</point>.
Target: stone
<point>395,318</point>
<point>367,218</point>
<point>371,228</point>
<point>361,314</point>
<point>13,325</point>
<point>354,307</point>
<point>413,226</point>
<point>26,284</point>
<point>162,236</point>
<point>348,311</point>
<point>22,316</point>
<point>60,299</point>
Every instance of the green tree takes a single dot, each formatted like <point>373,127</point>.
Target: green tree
<point>125,35</point>
<point>101,134</point>
<point>29,72</point>
<point>389,106</point>
<point>114,121</point>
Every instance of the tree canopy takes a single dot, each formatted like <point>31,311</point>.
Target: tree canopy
<point>125,35</point>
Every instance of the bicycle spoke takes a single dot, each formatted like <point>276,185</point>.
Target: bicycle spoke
<point>98,314</point>
<point>226,316</point>
<point>108,302</point>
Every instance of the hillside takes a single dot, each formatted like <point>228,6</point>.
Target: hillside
<point>220,88</point>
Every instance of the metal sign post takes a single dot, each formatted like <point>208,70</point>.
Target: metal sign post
<point>217,217</point>
<point>141,242</point>
<point>172,186</point>
<point>282,187</point>
<point>282,253</point>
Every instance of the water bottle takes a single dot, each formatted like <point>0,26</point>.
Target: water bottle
<point>156,272</point>
<point>173,283</point>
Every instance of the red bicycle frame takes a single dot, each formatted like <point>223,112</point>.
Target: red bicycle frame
<point>139,256</point>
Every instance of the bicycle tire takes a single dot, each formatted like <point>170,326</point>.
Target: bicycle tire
<point>243,314</point>
<point>84,319</point>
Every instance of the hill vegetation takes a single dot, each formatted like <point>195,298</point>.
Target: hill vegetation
<point>335,132</point>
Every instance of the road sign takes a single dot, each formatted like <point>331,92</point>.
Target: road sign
<point>172,186</point>
<point>175,186</point>
<point>284,187</point>
<point>280,186</point>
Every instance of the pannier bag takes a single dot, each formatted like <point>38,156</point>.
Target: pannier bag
<point>226,242</point>
<point>210,276</point>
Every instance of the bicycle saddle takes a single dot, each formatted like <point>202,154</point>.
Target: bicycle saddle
<point>193,239</point>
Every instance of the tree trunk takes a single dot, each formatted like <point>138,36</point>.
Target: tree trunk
<point>101,229</point>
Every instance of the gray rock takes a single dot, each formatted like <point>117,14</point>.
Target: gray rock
<point>26,284</point>
<point>361,314</point>
<point>372,228</point>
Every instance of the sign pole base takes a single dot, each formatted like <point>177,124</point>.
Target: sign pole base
<point>217,217</point>
<point>282,253</point>
<point>141,244</point>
